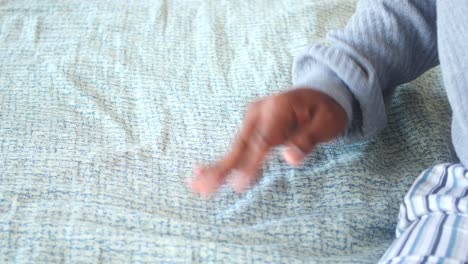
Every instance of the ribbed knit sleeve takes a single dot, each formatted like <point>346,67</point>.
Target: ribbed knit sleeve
<point>386,43</point>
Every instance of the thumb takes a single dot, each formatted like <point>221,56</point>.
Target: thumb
<point>323,127</point>
<point>300,145</point>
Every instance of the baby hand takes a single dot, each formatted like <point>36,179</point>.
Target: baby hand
<point>299,119</point>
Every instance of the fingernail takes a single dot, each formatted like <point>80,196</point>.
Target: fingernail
<point>293,155</point>
<point>203,186</point>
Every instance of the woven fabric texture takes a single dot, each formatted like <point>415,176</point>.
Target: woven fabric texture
<point>106,105</point>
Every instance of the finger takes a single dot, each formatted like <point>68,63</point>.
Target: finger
<point>301,143</point>
<point>294,155</point>
<point>232,158</point>
<point>205,182</point>
<point>246,174</point>
<point>208,179</point>
<point>272,128</point>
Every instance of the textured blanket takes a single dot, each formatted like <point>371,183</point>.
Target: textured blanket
<point>106,105</point>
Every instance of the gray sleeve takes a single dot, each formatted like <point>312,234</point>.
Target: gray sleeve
<point>386,43</point>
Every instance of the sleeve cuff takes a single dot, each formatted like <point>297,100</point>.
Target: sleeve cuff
<point>322,79</point>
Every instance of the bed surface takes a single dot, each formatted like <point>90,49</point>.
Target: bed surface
<point>106,105</point>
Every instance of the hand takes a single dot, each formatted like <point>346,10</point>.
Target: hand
<point>300,119</point>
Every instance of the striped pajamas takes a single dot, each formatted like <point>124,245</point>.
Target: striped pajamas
<point>433,219</point>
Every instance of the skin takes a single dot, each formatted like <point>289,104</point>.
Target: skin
<point>300,119</point>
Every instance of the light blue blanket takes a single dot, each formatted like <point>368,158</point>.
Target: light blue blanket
<point>106,105</point>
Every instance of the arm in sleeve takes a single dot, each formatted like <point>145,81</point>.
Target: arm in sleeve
<point>386,43</point>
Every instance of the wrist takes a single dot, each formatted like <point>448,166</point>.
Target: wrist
<point>323,80</point>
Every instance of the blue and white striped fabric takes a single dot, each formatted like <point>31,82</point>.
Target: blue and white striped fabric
<point>433,220</point>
